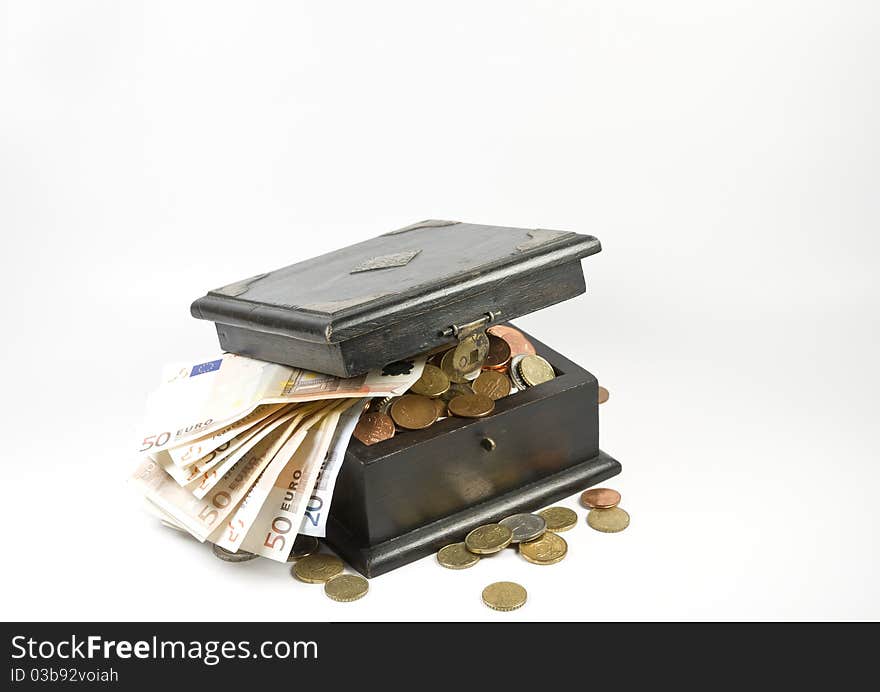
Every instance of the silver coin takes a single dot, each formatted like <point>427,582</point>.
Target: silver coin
<point>513,371</point>
<point>303,546</point>
<point>524,527</point>
<point>227,556</point>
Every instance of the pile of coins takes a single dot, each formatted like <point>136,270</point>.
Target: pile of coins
<point>536,539</point>
<point>463,381</point>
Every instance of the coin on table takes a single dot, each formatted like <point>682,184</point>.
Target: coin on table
<point>374,427</point>
<point>433,382</point>
<point>603,394</point>
<point>600,498</point>
<point>504,595</point>
<point>546,550</point>
<point>457,556</point>
<point>303,546</point>
<point>534,370</point>
<point>608,520</point>
<point>488,539</point>
<point>229,556</point>
<point>499,353</point>
<point>317,568</point>
<point>413,412</point>
<point>559,518</point>
<point>346,587</point>
<point>471,406</point>
<point>493,384</point>
<point>446,365</point>
<point>525,527</point>
<point>514,338</point>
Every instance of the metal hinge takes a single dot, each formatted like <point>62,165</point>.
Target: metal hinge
<point>461,331</point>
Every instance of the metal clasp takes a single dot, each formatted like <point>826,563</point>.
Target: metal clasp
<point>461,331</point>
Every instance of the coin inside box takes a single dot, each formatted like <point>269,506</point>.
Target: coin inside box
<point>405,293</point>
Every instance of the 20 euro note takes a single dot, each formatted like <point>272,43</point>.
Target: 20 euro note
<point>195,401</point>
<point>314,521</point>
<point>275,527</point>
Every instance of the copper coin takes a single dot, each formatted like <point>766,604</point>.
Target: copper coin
<point>499,352</point>
<point>514,338</point>
<point>471,406</point>
<point>374,427</point>
<point>600,498</point>
<point>493,384</point>
<point>603,394</point>
<point>413,412</point>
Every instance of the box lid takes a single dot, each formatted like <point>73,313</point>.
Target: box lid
<point>402,279</point>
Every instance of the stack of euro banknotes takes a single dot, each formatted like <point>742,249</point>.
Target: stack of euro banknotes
<point>245,454</point>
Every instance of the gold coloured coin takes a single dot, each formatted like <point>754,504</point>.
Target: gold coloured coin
<point>374,427</point>
<point>600,498</point>
<point>317,568</point>
<point>493,384</point>
<point>488,539</point>
<point>471,406</point>
<point>547,550</point>
<point>433,382</point>
<point>470,354</point>
<point>413,412</point>
<point>446,365</point>
<point>603,394</point>
<point>303,546</point>
<point>346,587</point>
<point>504,595</point>
<point>608,520</point>
<point>457,556</point>
<point>559,518</point>
<point>535,370</point>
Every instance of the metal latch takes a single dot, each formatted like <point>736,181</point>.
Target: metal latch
<point>461,331</point>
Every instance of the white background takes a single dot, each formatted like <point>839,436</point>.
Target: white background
<point>725,153</point>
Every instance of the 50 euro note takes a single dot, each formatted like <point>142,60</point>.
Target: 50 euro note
<point>202,515</point>
<point>314,521</point>
<point>195,401</point>
<point>233,534</point>
<point>275,527</point>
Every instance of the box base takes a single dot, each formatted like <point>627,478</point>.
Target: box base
<point>373,560</point>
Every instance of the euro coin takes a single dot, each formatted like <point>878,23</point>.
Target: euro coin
<point>317,568</point>
<point>457,556</point>
<point>524,527</point>
<point>514,338</point>
<point>514,373</point>
<point>603,394</point>
<point>504,595</point>
<point>470,354</point>
<point>229,556</point>
<point>535,370</point>
<point>446,365</point>
<point>608,520</point>
<point>559,518</point>
<point>303,546</point>
<point>346,587</point>
<point>499,353</point>
<point>374,427</point>
<point>413,412</point>
<point>473,406</point>
<point>546,550</point>
<point>600,498</point>
<point>433,382</point>
<point>492,384</point>
<point>488,539</point>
